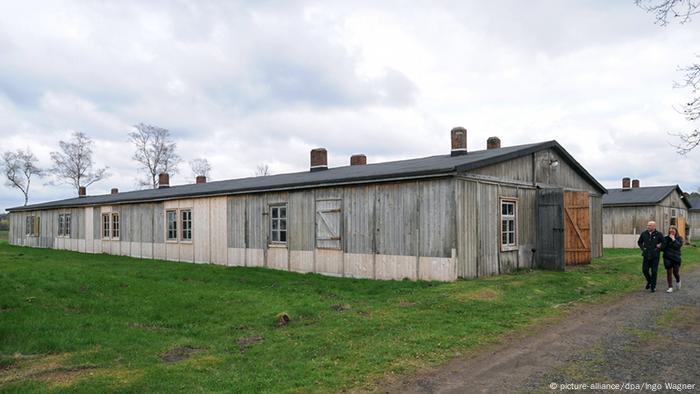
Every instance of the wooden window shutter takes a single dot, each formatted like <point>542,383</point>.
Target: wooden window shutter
<point>328,224</point>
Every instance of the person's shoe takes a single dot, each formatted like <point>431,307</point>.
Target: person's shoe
<point>678,285</point>
<point>670,290</point>
<point>653,290</point>
<point>648,286</point>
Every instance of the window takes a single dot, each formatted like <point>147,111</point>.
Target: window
<point>178,219</point>
<point>186,220</point>
<point>32,225</point>
<point>61,227</point>
<point>105,226</point>
<point>278,224</point>
<point>115,225</point>
<point>509,239</point>
<point>171,217</point>
<point>673,217</point>
<point>66,224</point>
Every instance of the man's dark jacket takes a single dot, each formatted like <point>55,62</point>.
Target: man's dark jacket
<point>647,243</point>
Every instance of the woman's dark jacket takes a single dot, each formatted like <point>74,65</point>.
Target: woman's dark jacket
<point>672,251</point>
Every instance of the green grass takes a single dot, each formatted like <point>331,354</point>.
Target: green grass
<point>86,323</point>
<point>3,235</point>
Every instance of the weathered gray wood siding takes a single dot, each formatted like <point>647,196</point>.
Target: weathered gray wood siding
<point>519,169</point>
<point>694,223</point>
<point>301,220</point>
<point>634,219</point>
<point>478,227</point>
<point>627,220</point>
<point>48,228</point>
<point>385,219</point>
<point>359,218</point>
<point>561,175</point>
<point>596,216</point>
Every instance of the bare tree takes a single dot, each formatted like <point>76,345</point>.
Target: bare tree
<point>690,110</point>
<point>73,164</point>
<point>200,167</point>
<point>19,167</point>
<point>155,152</point>
<point>262,170</point>
<point>665,12</point>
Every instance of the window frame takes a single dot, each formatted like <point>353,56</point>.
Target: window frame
<point>28,225</point>
<point>106,225</point>
<point>505,247</point>
<point>67,223</point>
<point>179,230</point>
<point>279,220</point>
<point>64,225</point>
<point>182,228</point>
<point>175,230</point>
<point>115,226</point>
<point>32,226</point>
<point>61,224</point>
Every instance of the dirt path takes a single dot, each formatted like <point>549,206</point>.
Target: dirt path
<point>642,338</point>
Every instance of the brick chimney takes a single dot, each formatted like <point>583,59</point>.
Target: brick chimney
<point>625,183</point>
<point>201,179</point>
<point>493,143</point>
<point>163,180</point>
<point>115,191</point>
<point>82,191</point>
<point>635,183</point>
<point>358,160</point>
<point>459,141</point>
<point>319,159</point>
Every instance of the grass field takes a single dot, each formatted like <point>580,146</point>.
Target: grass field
<point>87,323</point>
<point>3,235</point>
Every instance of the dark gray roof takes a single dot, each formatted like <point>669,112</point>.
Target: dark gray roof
<point>694,203</point>
<point>413,168</point>
<point>640,195</point>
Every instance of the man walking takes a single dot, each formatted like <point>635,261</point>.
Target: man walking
<point>651,242</point>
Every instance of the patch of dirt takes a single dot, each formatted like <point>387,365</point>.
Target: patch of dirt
<point>179,353</point>
<point>48,368</point>
<point>484,294</point>
<point>405,304</point>
<point>245,342</point>
<point>340,307</point>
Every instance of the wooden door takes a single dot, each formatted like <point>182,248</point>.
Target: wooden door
<point>681,227</point>
<point>550,229</point>
<point>577,231</point>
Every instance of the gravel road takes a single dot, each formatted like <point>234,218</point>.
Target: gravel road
<point>638,343</point>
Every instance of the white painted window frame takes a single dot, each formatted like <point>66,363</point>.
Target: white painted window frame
<point>115,226</point>
<point>505,247</point>
<point>279,220</point>
<point>179,228</point>
<point>190,222</point>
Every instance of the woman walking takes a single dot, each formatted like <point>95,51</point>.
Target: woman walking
<point>672,258</point>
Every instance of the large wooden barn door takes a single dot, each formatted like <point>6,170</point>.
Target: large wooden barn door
<point>550,229</point>
<point>577,231</point>
<point>681,227</point>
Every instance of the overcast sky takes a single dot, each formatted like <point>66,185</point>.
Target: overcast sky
<point>264,82</point>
